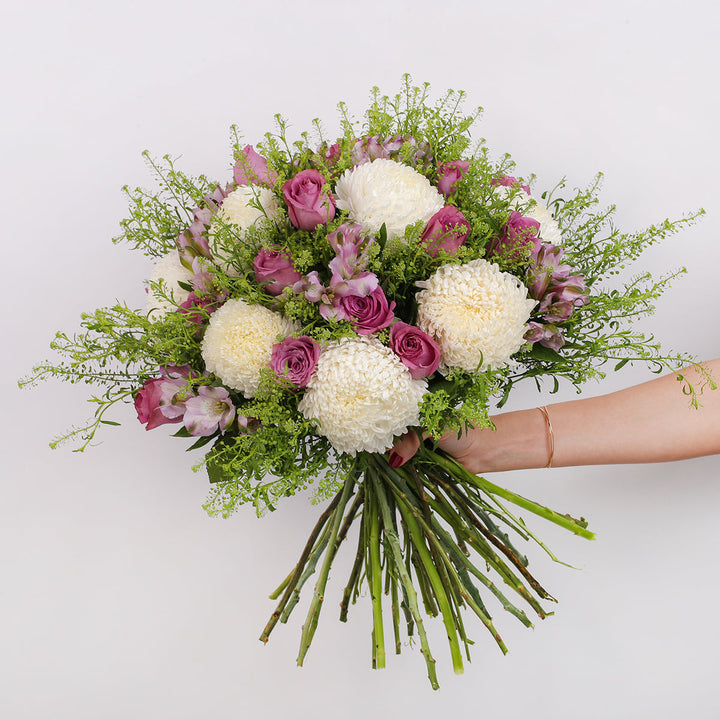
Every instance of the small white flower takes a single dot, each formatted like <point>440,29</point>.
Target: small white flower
<point>385,191</point>
<point>239,211</point>
<point>361,396</point>
<point>476,314</point>
<point>171,271</point>
<point>238,343</point>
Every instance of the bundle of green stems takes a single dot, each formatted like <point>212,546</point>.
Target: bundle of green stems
<point>431,535</point>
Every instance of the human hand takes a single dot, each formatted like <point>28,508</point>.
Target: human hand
<point>462,446</point>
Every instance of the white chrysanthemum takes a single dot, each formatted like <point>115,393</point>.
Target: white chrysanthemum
<point>385,191</point>
<point>240,211</point>
<point>361,396</point>
<point>238,343</point>
<point>476,313</point>
<point>549,228</point>
<point>171,271</point>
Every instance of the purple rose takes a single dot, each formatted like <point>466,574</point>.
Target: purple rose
<point>368,313</point>
<point>519,235</point>
<point>252,169</point>
<point>274,270</point>
<point>446,230</point>
<point>308,204</point>
<point>417,350</point>
<point>160,400</point>
<point>295,359</point>
<point>450,174</point>
<point>147,405</point>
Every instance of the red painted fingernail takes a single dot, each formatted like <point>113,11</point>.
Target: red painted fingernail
<point>395,460</point>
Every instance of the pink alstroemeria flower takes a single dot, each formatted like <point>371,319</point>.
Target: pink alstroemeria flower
<point>545,334</point>
<point>559,303</point>
<point>349,276</point>
<point>375,147</point>
<point>546,269</point>
<point>192,242</point>
<point>209,411</point>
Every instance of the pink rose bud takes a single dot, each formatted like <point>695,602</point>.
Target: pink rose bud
<point>417,350</point>
<point>295,359</point>
<point>274,270</point>
<point>308,204</point>
<point>196,308</point>
<point>447,230</point>
<point>252,169</point>
<point>368,313</point>
<point>519,235</point>
<point>450,174</point>
<point>509,181</point>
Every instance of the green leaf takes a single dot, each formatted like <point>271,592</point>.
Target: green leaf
<point>200,442</point>
<point>622,363</point>
<point>382,236</point>
<point>216,473</point>
<point>545,354</point>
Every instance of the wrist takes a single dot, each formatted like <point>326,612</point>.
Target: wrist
<point>520,440</point>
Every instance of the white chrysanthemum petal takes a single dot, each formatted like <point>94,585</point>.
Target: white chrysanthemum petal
<point>549,228</point>
<point>476,313</point>
<point>238,343</point>
<point>171,271</point>
<point>239,209</point>
<point>387,192</point>
<point>362,396</point>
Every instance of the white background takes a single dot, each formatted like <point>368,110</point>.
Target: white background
<point>119,597</point>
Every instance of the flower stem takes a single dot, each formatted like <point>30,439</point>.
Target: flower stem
<point>393,542</point>
<point>374,577</point>
<point>290,582</point>
<point>418,539</point>
<point>579,527</point>
<point>318,596</point>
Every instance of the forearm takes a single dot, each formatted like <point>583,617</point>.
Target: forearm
<point>651,422</point>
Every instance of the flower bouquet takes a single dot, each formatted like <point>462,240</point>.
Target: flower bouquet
<point>336,294</point>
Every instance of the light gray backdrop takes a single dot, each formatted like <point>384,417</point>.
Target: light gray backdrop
<point>119,597</point>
